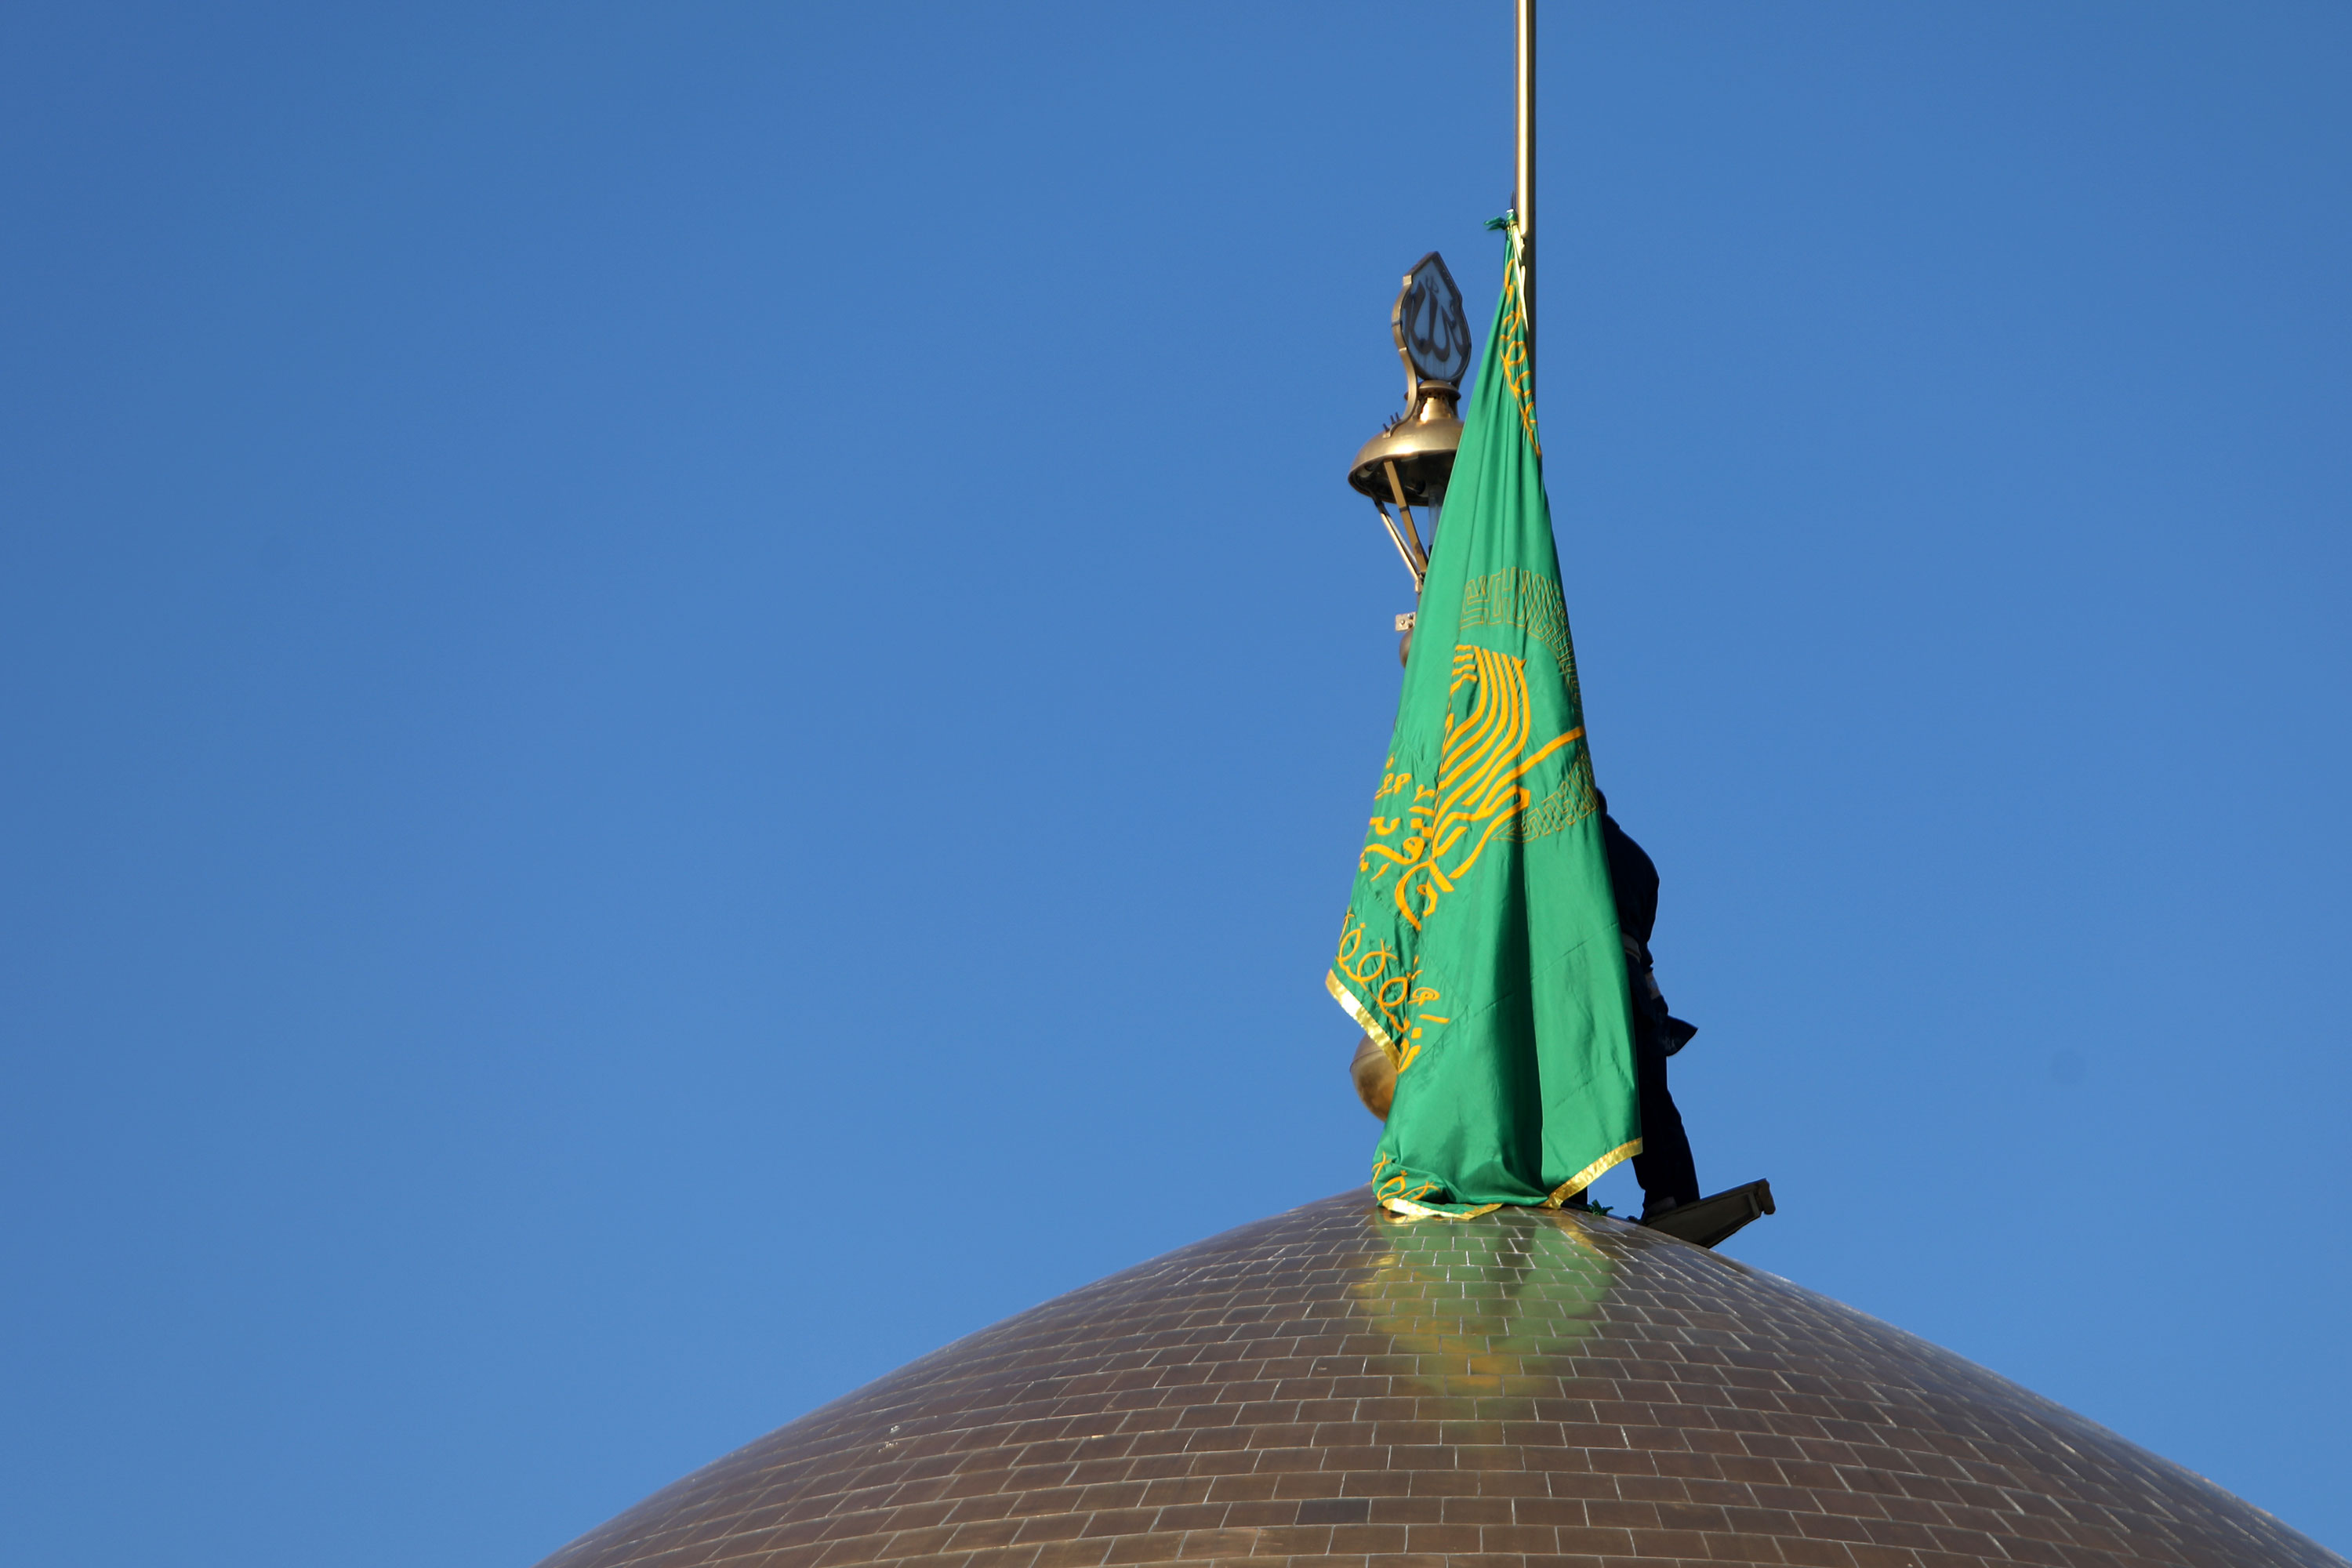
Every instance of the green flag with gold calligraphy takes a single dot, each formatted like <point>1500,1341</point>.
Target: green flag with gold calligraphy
<point>1480,947</point>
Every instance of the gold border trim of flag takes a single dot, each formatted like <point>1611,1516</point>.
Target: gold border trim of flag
<point>1412,1210</point>
<point>1591,1173</point>
<point>1568,1189</point>
<point>1362,1014</point>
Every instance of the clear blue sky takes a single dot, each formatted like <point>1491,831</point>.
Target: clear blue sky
<point>686,694</point>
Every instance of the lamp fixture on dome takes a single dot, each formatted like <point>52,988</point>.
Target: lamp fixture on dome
<point>1409,462</point>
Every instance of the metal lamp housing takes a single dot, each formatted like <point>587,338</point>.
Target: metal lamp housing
<point>1409,462</point>
<point>1421,445</point>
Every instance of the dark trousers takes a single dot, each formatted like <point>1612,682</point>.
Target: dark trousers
<point>1663,1166</point>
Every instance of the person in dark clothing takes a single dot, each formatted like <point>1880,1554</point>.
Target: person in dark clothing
<point>1664,1168</point>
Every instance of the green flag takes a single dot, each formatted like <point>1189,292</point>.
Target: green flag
<point>1480,948</point>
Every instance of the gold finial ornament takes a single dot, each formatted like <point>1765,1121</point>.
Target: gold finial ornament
<point>1375,1077</point>
<point>1409,462</point>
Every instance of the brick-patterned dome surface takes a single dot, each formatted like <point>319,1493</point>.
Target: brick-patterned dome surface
<point>1331,1386</point>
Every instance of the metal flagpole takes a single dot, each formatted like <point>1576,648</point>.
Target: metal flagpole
<point>1523,192</point>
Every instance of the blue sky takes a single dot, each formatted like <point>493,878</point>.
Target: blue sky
<point>686,694</point>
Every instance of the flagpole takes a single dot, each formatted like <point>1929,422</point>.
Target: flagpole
<point>1523,192</point>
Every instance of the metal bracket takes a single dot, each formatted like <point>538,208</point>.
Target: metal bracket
<point>1413,561</point>
<point>1407,541</point>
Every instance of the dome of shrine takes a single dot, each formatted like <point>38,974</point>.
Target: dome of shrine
<point>1530,1386</point>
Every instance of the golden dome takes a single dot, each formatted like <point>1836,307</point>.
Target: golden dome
<point>1530,1387</point>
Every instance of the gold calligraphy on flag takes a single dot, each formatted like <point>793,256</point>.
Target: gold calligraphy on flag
<point>1478,791</point>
